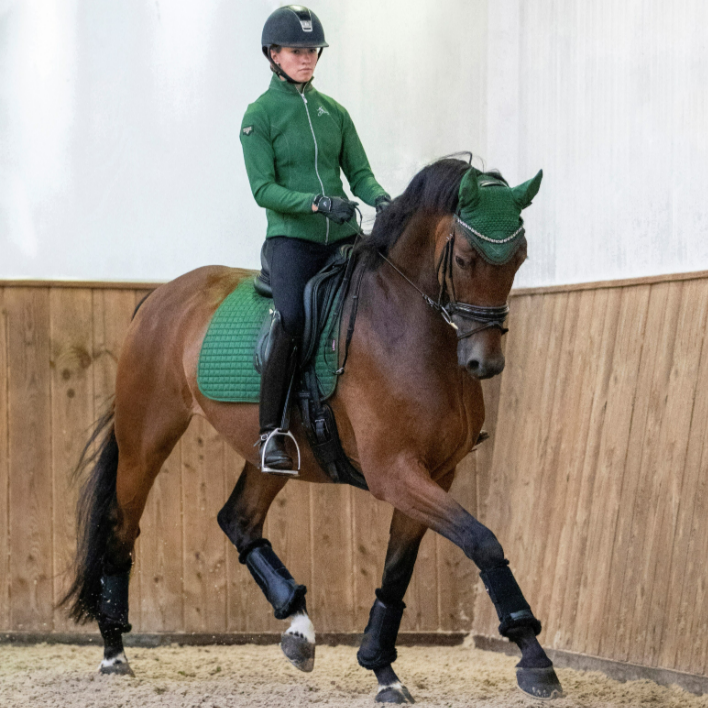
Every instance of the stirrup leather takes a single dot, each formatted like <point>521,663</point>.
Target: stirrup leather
<point>265,439</point>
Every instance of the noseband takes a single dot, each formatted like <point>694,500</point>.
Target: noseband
<point>448,306</point>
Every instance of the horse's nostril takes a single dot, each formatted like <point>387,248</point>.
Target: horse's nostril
<point>473,365</point>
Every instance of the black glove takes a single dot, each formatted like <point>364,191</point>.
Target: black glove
<point>335,208</point>
<point>382,202</point>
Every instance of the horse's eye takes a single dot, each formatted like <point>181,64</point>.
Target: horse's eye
<point>460,261</point>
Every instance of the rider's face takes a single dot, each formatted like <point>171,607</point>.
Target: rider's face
<point>298,63</point>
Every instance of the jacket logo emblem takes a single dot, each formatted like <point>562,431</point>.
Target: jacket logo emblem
<point>321,111</point>
<point>247,130</point>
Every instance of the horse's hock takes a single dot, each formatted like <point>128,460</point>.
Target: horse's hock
<point>596,447</point>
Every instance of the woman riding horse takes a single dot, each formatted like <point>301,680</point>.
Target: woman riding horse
<point>295,141</point>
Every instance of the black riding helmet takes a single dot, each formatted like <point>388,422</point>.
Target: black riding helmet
<point>292,26</point>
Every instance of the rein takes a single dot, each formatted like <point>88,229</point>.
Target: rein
<point>490,317</point>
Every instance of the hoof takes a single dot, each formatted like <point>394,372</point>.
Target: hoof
<point>395,693</point>
<point>300,652</point>
<point>118,665</point>
<point>539,683</point>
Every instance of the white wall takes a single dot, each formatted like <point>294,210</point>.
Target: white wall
<point>119,122</point>
<point>610,97</point>
<point>119,151</point>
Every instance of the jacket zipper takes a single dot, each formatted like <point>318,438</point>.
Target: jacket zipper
<point>317,172</point>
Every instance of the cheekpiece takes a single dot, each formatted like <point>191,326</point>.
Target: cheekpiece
<point>489,213</point>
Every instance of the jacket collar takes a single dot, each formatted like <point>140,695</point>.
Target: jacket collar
<point>286,87</point>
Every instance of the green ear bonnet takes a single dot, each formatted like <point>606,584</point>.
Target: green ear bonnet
<point>489,213</point>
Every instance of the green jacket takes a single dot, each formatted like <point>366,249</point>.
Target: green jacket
<point>294,145</point>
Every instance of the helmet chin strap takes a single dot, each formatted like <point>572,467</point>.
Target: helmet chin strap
<point>278,71</point>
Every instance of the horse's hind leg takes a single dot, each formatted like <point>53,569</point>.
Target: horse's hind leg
<point>144,446</point>
<point>378,646</point>
<point>241,519</point>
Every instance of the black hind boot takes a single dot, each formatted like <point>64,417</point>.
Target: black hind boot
<point>277,374</point>
<point>113,621</point>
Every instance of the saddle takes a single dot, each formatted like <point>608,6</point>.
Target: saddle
<point>236,345</point>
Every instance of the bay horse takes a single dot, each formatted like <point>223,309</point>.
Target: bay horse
<point>433,281</point>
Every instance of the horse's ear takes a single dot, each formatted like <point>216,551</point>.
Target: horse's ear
<point>524,193</point>
<point>469,191</point>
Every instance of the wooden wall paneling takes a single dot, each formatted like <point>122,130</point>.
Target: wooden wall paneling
<point>71,336</point>
<point>289,530</point>
<point>601,348</point>
<point>653,487</point>
<point>692,628</point>
<point>371,521</point>
<point>544,421</point>
<point>332,591</point>
<point>522,526</point>
<point>672,619</point>
<point>632,527</point>
<point>686,633</point>
<point>534,506</point>
<point>591,515</point>
<point>571,458</point>
<point>599,448</point>
<point>30,502</point>
<point>698,629</point>
<point>204,543</point>
<point>606,500</point>
<point>693,650</point>
<point>112,313</point>
<point>5,576</point>
<point>510,417</point>
<point>671,473</point>
<point>558,453</point>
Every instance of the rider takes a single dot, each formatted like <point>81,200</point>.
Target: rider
<point>295,141</point>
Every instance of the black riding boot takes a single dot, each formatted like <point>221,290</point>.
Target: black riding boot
<point>278,370</point>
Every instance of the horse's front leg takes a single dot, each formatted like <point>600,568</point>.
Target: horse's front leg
<point>408,487</point>
<point>378,646</point>
<point>241,519</point>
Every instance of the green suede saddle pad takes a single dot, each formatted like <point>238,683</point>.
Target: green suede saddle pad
<point>226,370</point>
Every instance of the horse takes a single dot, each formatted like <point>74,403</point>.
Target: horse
<point>433,280</point>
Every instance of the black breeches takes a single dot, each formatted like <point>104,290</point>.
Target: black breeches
<point>293,262</point>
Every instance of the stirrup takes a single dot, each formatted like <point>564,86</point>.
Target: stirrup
<point>265,439</point>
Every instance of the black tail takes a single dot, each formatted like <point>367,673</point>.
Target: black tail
<point>94,520</point>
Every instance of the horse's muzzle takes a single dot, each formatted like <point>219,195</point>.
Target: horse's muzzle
<point>484,368</point>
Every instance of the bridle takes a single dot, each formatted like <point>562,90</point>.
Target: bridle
<point>448,306</point>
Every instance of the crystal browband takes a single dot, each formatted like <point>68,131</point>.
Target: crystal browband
<point>474,231</point>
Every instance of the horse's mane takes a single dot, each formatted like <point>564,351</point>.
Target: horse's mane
<point>434,188</point>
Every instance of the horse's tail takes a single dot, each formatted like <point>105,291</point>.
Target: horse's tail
<point>94,519</point>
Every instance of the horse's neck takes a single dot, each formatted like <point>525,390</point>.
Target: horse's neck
<point>414,252</point>
<point>395,301</point>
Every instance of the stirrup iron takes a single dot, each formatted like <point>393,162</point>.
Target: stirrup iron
<point>265,439</point>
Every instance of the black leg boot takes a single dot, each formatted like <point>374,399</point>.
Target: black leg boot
<point>278,370</point>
